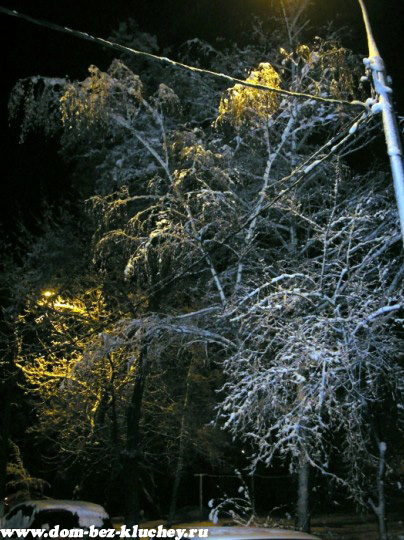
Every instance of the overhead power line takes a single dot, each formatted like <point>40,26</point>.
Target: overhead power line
<point>122,48</point>
<point>300,172</point>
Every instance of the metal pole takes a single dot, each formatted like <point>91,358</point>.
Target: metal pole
<point>392,135</point>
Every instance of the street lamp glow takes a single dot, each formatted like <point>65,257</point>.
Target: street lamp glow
<point>48,294</point>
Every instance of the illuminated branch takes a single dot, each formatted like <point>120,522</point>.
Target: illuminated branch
<point>164,59</point>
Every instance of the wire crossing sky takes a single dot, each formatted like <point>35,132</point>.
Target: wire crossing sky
<point>164,59</point>
<point>299,174</point>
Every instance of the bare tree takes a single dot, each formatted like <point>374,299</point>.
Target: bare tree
<point>250,238</point>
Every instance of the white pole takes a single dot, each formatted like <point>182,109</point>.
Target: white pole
<point>385,102</point>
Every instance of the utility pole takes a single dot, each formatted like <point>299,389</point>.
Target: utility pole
<point>375,64</point>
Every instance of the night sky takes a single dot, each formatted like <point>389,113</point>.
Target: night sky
<point>33,171</point>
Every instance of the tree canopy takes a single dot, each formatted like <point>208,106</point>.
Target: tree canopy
<point>224,273</point>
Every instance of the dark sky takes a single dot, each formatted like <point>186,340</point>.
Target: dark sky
<point>32,171</point>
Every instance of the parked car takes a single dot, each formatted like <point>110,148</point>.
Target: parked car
<point>48,513</point>
<point>255,533</point>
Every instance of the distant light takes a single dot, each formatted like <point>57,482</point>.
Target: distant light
<point>48,294</point>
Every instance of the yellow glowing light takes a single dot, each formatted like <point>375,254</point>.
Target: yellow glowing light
<point>48,294</point>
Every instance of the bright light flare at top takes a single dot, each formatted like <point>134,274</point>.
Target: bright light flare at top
<point>48,294</point>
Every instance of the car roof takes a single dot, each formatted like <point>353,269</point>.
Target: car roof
<point>59,504</point>
<point>256,533</point>
<point>87,513</point>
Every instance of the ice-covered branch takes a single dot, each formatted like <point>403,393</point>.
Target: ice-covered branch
<point>165,60</point>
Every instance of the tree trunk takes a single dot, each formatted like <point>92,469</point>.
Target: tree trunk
<point>176,485</point>
<point>380,509</point>
<point>5,395</point>
<point>303,498</point>
<point>303,491</point>
<point>181,450</point>
<point>131,461</point>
